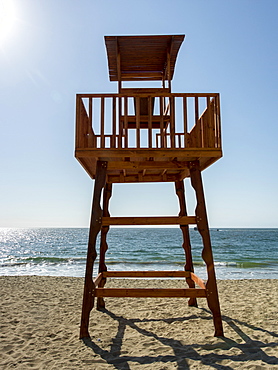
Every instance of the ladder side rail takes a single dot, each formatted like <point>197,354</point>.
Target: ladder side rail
<point>95,226</point>
<point>103,242</point>
<point>203,228</point>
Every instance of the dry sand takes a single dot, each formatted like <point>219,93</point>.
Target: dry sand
<point>40,324</point>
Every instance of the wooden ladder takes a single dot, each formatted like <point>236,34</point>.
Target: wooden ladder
<point>100,222</point>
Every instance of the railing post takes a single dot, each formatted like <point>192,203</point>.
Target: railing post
<point>218,120</point>
<point>77,120</point>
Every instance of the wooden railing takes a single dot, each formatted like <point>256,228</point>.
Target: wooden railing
<point>148,121</point>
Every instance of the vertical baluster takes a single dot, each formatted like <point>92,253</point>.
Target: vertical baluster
<point>218,119</point>
<point>150,121</point>
<point>185,129</point>
<point>113,141</point>
<point>120,122</point>
<point>83,124</point>
<point>78,122</point>
<point>208,132</point>
<point>125,121</point>
<point>102,138</point>
<point>172,122</point>
<point>196,109</point>
<point>198,123</point>
<point>91,141</point>
<point>137,99</point>
<point>161,108</point>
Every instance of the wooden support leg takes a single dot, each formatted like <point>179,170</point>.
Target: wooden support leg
<point>103,242</point>
<point>186,239</point>
<point>95,225</point>
<point>202,225</point>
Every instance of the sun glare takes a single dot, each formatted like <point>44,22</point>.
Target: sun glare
<point>7,20</point>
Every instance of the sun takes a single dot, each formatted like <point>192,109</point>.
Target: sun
<point>7,19</point>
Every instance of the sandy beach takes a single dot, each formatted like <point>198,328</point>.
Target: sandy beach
<point>40,319</point>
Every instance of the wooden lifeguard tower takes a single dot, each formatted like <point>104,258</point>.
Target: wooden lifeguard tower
<point>147,135</point>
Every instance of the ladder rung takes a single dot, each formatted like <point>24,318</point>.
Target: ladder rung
<point>146,274</point>
<point>145,293</point>
<point>175,220</point>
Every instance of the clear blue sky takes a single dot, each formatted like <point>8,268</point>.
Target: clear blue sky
<point>52,49</point>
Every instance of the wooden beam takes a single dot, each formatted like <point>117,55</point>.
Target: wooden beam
<point>197,280</point>
<point>146,274</point>
<point>145,152</point>
<point>179,185</point>
<point>98,279</point>
<point>146,178</point>
<point>146,94</point>
<point>95,226</point>
<point>203,228</point>
<point>175,220</point>
<point>144,293</point>
<point>141,165</point>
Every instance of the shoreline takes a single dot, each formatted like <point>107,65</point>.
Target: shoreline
<point>40,317</point>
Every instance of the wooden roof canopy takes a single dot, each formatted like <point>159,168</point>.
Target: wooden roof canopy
<point>142,58</point>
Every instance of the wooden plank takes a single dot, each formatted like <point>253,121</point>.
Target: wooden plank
<point>150,122</point>
<point>185,125</point>
<point>102,139</point>
<point>114,131</point>
<point>147,292</point>
<point>146,152</point>
<point>203,228</point>
<point>125,122</point>
<point>103,242</point>
<point>146,178</point>
<point>120,143</point>
<point>179,185</point>
<point>196,110</point>
<point>141,165</point>
<point>132,91</point>
<point>209,135</point>
<point>181,95</point>
<point>175,220</point>
<point>197,280</point>
<point>146,274</point>
<point>137,102</point>
<point>95,226</point>
<point>161,111</point>
<point>98,279</point>
<point>172,122</point>
<point>118,60</point>
<point>78,135</point>
<point>145,118</point>
<point>218,120</point>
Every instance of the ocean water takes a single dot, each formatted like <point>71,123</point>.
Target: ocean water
<point>238,253</point>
